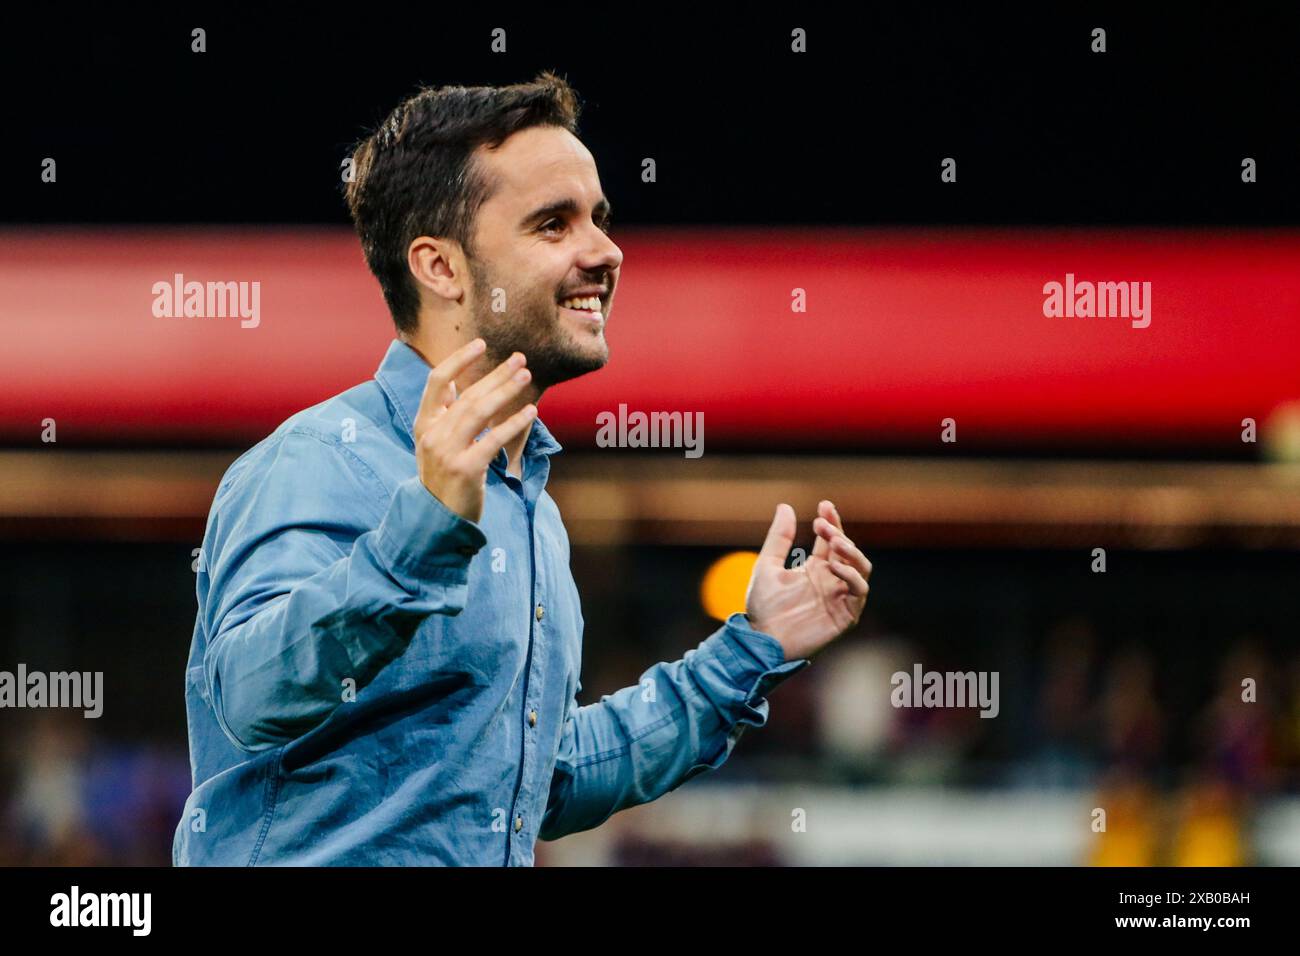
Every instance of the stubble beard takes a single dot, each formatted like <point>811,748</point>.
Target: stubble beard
<point>532,326</point>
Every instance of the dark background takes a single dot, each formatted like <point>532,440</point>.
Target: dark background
<point>743,130</point>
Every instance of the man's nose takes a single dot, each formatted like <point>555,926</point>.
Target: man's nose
<point>603,255</point>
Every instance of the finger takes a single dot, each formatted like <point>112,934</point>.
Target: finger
<point>834,516</point>
<point>850,576</point>
<point>780,536</point>
<point>846,549</point>
<point>826,533</point>
<point>433,403</point>
<point>440,387</point>
<point>822,546</point>
<point>501,373</point>
<point>495,377</point>
<point>482,452</point>
<point>473,411</point>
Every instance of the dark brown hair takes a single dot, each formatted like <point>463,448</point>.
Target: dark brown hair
<point>415,175</point>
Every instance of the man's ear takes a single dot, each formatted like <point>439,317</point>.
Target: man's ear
<point>438,267</point>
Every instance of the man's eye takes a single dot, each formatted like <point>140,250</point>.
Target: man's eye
<point>551,223</point>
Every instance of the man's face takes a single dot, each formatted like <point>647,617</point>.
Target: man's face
<point>539,240</point>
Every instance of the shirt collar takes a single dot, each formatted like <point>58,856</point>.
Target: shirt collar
<point>403,374</point>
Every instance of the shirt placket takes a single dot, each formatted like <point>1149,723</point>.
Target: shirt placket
<point>522,827</point>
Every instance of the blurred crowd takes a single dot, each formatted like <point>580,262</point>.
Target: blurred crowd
<point>70,797</point>
<point>1179,770</point>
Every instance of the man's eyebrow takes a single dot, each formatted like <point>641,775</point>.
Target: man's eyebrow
<point>565,207</point>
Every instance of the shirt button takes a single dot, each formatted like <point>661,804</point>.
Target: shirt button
<point>540,611</point>
<point>532,718</point>
<point>519,824</point>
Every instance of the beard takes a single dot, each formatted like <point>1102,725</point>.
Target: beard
<point>532,325</point>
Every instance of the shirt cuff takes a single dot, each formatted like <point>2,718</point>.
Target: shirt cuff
<point>740,666</point>
<point>759,656</point>
<point>423,538</point>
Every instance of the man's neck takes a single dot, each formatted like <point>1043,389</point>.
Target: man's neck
<point>515,466</point>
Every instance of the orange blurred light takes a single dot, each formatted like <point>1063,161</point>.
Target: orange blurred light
<point>722,592</point>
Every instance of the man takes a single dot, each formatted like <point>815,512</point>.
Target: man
<point>386,655</point>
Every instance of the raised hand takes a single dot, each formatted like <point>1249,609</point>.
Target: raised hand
<point>451,464</point>
<point>806,608</point>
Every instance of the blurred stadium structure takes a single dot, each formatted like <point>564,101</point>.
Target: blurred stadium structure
<point>1120,690</point>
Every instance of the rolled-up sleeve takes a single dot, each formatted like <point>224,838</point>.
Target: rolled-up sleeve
<point>681,719</point>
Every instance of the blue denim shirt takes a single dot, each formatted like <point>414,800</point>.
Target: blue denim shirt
<point>375,680</point>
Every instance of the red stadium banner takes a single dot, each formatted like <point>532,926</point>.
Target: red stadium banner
<point>831,338</point>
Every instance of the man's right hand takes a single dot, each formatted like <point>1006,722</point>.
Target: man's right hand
<point>452,465</point>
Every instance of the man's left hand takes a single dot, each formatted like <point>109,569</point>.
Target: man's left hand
<point>807,607</point>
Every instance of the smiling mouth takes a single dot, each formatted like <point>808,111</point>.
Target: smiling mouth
<point>590,308</point>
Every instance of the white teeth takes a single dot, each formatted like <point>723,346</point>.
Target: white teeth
<point>590,304</point>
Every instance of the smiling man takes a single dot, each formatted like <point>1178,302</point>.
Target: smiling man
<point>385,661</point>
